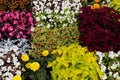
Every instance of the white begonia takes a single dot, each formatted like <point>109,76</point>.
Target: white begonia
<point>110,73</point>
<point>104,76</point>
<point>8,60</point>
<point>114,65</point>
<point>1,62</point>
<point>118,53</point>
<point>18,72</point>
<point>115,75</point>
<point>48,26</point>
<point>103,67</point>
<point>35,2</point>
<point>8,75</point>
<point>37,19</point>
<point>111,55</point>
<point>62,12</point>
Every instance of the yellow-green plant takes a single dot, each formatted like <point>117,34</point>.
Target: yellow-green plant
<point>75,63</point>
<point>48,39</point>
<point>115,4</point>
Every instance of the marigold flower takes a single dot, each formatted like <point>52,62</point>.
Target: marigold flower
<point>17,77</point>
<point>25,57</point>
<point>96,6</point>
<point>45,53</point>
<point>34,66</point>
<point>28,65</point>
<point>97,1</point>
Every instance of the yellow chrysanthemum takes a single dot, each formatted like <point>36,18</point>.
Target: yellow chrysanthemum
<point>25,57</point>
<point>28,65</point>
<point>17,77</point>
<point>45,53</point>
<point>34,66</point>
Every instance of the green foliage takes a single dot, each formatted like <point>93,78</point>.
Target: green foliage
<point>49,39</point>
<point>75,63</point>
<point>115,4</point>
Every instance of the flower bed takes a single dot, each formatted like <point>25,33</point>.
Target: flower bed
<point>60,40</point>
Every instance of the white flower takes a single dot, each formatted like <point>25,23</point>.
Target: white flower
<point>115,75</point>
<point>103,68</point>
<point>110,73</point>
<point>18,72</point>
<point>48,26</point>
<point>8,60</point>
<point>62,12</point>
<point>111,55</point>
<point>104,77</point>
<point>35,2</point>
<point>8,76</point>
<point>37,19</point>
<point>114,65</point>
<point>1,62</point>
<point>14,48</point>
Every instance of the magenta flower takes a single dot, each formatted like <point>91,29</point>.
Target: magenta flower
<point>16,24</point>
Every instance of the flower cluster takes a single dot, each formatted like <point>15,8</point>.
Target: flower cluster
<point>55,5</point>
<point>51,20</point>
<point>55,13</point>
<point>9,64</point>
<point>99,29</point>
<point>12,5</point>
<point>110,64</point>
<point>16,25</point>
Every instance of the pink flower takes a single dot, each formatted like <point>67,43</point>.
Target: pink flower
<point>28,14</point>
<point>11,34</point>
<point>10,28</point>
<point>15,22</point>
<point>18,36</point>
<point>3,29</point>
<point>30,19</point>
<point>21,33</point>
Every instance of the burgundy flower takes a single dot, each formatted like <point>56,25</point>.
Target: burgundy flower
<point>99,29</point>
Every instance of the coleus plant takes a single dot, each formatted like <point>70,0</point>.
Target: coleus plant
<point>16,25</point>
<point>100,29</point>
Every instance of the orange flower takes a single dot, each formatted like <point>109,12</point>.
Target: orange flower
<point>97,1</point>
<point>96,6</point>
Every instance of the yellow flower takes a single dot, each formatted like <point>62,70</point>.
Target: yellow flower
<point>34,66</point>
<point>25,57</point>
<point>28,65</point>
<point>45,53</point>
<point>17,77</point>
